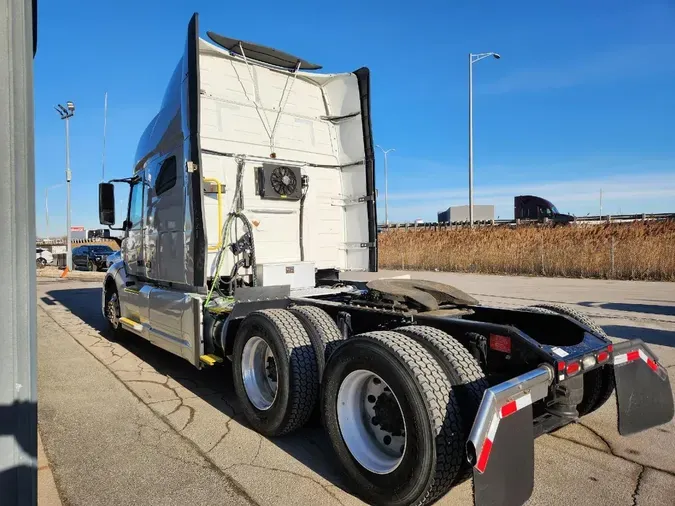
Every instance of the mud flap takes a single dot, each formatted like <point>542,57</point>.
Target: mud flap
<point>501,444</point>
<point>643,393</point>
<point>509,479</point>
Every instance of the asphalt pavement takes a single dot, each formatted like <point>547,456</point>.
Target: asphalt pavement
<point>127,423</point>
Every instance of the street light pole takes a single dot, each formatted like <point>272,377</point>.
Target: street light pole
<point>473,58</point>
<point>66,113</point>
<point>470,140</point>
<point>386,192</point>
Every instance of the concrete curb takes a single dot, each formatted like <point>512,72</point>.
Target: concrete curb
<point>48,494</point>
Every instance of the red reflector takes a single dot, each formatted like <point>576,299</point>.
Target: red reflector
<point>633,355</point>
<point>509,409</point>
<point>500,343</point>
<point>484,456</point>
<point>561,366</point>
<point>652,364</point>
<point>573,368</point>
<point>610,348</point>
<point>602,356</point>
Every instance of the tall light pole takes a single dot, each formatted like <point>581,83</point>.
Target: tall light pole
<point>66,113</point>
<point>47,206</point>
<point>473,58</point>
<point>386,193</point>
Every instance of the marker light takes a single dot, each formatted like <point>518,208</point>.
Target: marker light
<point>588,361</point>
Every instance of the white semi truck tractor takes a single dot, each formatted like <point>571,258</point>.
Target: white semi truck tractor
<point>252,193</point>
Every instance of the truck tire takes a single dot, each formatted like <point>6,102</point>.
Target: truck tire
<point>113,311</point>
<point>275,371</point>
<point>464,372</point>
<point>392,420</point>
<point>598,383</point>
<point>322,330</point>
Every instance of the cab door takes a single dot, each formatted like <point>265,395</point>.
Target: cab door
<point>133,245</point>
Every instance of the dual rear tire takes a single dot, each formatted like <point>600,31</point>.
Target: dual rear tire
<point>275,371</point>
<point>393,419</point>
<point>397,405</point>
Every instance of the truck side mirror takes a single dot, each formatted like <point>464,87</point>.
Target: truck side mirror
<point>106,203</point>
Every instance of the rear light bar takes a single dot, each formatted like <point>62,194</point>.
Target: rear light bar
<point>568,369</point>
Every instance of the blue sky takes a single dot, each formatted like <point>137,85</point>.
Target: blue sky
<point>582,98</point>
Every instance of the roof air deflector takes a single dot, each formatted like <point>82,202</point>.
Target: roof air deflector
<point>262,54</point>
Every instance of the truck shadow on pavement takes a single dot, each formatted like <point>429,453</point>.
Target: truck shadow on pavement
<point>649,336</point>
<point>633,308</point>
<point>214,385</point>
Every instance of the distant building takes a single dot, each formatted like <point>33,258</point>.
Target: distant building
<point>461,213</point>
<point>78,232</point>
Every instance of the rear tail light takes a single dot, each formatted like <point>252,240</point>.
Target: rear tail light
<point>573,368</point>
<point>500,343</point>
<point>602,356</point>
<point>610,348</point>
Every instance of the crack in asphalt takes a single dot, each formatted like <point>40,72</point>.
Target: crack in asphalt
<point>324,486</point>
<point>158,445</point>
<point>220,440</point>
<point>119,357</point>
<point>637,485</point>
<point>235,415</point>
<point>237,488</point>
<point>166,380</point>
<point>612,452</point>
<point>258,450</point>
<point>177,396</point>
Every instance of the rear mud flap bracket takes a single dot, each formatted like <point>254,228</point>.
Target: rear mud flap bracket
<point>501,444</point>
<point>643,393</point>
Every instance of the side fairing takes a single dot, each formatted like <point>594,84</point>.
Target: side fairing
<point>195,237</point>
<point>168,160</point>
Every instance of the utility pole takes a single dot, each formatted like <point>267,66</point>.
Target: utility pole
<point>66,113</point>
<point>600,204</point>
<point>18,344</point>
<point>473,58</point>
<point>386,192</point>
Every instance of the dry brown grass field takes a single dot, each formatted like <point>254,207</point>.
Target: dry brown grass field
<point>637,250</point>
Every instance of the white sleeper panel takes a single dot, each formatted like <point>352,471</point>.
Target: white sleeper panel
<point>238,111</point>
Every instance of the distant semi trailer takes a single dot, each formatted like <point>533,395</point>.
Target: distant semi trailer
<point>456,214</point>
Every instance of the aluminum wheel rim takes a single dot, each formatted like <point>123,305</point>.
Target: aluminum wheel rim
<point>114,311</point>
<point>259,374</point>
<point>370,440</point>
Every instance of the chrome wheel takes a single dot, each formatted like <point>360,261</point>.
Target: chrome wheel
<point>113,311</point>
<point>371,422</point>
<point>259,373</point>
